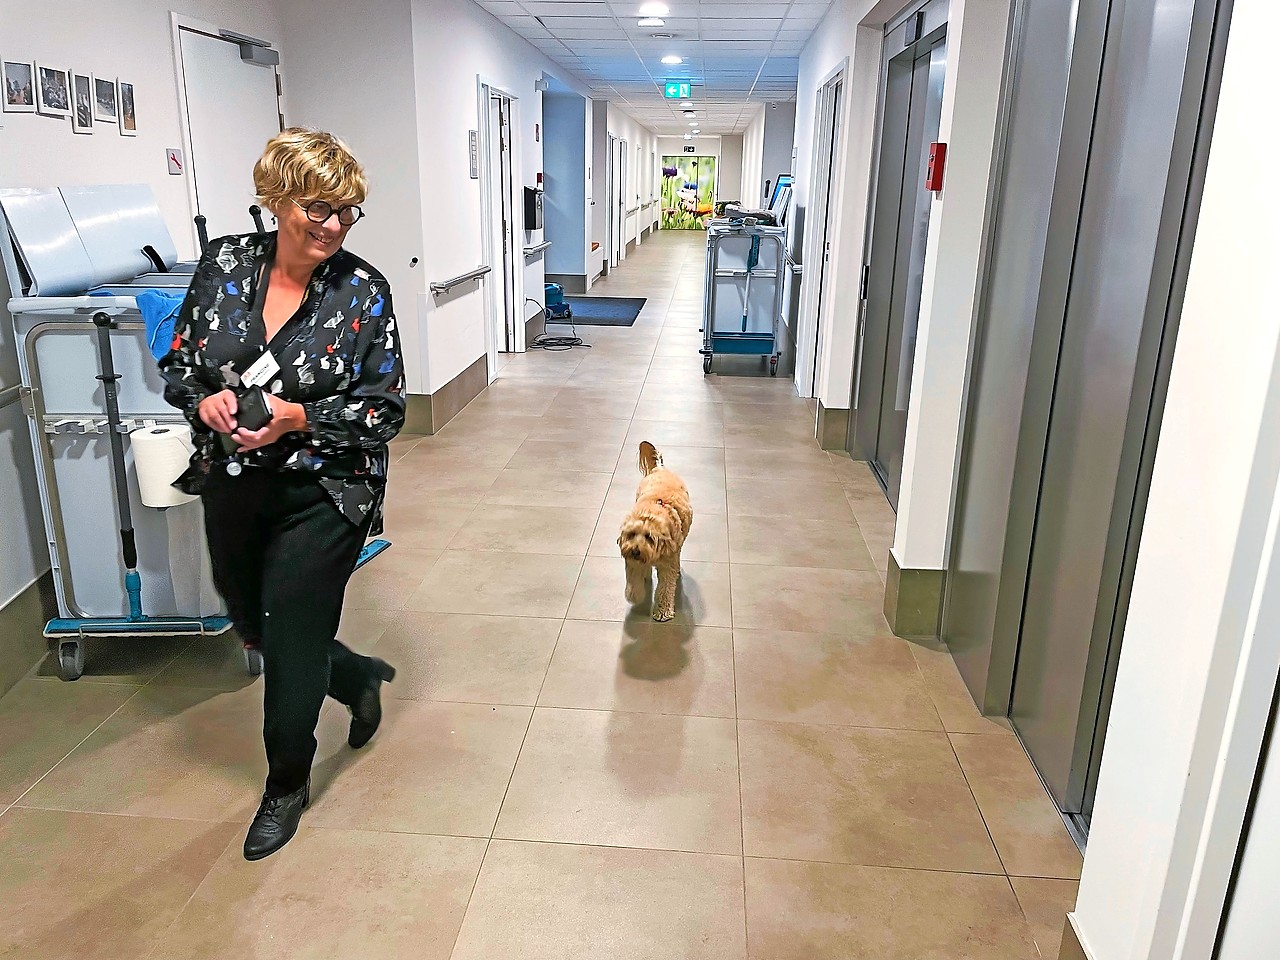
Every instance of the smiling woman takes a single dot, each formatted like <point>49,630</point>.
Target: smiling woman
<point>286,362</point>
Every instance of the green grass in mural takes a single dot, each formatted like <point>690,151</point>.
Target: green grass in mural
<point>688,189</point>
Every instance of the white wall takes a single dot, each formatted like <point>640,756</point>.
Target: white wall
<point>1253,924</point>
<point>642,170</point>
<point>779,141</point>
<point>133,42</point>
<point>850,36</point>
<point>1202,639</point>
<point>421,93</point>
<point>852,33</point>
<point>729,176</point>
<point>447,62</point>
<point>316,37</point>
<point>599,187</point>
<point>753,160</point>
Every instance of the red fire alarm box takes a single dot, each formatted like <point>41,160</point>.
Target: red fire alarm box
<point>937,163</point>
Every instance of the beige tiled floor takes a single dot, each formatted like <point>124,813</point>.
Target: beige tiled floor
<point>771,775</point>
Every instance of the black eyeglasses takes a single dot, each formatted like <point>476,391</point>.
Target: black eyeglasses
<point>318,211</point>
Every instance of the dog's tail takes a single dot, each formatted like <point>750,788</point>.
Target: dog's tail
<point>650,458</point>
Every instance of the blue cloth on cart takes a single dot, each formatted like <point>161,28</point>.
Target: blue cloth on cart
<point>159,310</point>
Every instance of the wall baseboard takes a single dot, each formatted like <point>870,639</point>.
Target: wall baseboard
<point>22,620</point>
<point>833,427</point>
<point>427,413</point>
<point>535,326</point>
<point>1072,949</point>
<point>913,601</point>
<point>573,283</point>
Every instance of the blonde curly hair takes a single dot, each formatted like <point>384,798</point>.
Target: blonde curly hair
<point>303,164</point>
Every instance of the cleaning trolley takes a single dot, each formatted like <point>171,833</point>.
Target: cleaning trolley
<point>742,310</point>
<point>127,551</point>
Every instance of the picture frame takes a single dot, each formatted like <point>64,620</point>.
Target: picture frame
<point>53,91</point>
<point>105,102</point>
<point>128,108</point>
<point>81,102</point>
<point>18,79</point>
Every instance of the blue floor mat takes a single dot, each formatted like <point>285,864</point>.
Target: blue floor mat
<point>605,311</point>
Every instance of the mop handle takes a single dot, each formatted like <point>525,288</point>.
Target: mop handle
<point>109,378</point>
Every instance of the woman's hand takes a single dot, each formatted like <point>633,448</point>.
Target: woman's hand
<point>286,417</point>
<point>219,411</point>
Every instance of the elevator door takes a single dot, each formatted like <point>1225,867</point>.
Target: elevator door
<point>911,110</point>
<point>1105,393</point>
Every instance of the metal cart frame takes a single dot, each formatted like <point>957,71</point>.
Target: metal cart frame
<point>747,339</point>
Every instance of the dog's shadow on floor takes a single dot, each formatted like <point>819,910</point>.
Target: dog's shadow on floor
<point>656,651</point>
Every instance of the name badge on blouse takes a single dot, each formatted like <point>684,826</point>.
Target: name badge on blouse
<point>263,369</point>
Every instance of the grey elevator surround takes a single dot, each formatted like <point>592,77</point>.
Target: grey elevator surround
<point>911,109</point>
<point>1039,584</point>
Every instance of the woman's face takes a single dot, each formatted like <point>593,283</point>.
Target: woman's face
<point>303,239</point>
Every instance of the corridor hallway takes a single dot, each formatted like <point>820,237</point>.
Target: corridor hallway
<point>773,775</point>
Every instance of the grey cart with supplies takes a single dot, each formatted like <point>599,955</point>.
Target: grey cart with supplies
<point>127,551</point>
<point>742,310</point>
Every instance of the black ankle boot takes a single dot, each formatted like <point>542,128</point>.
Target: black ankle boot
<point>276,823</point>
<point>366,712</point>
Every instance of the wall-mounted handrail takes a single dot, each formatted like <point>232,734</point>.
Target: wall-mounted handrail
<point>631,210</point>
<point>445,286</point>
<point>537,248</point>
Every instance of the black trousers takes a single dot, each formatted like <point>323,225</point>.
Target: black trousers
<point>282,555</point>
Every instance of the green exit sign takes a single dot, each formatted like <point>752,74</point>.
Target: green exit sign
<point>677,90</point>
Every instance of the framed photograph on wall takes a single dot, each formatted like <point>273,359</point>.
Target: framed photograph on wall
<point>104,100</point>
<point>81,102</point>
<point>53,91</point>
<point>19,77</point>
<point>128,114</point>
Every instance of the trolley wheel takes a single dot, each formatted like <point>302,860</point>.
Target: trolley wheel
<point>773,366</point>
<point>706,363</point>
<point>253,661</point>
<point>70,659</point>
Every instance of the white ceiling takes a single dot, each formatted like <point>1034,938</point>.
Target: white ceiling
<point>738,53</point>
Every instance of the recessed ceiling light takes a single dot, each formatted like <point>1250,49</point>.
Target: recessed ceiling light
<point>695,132</point>
<point>663,36</point>
<point>671,60</point>
<point>652,22</point>
<point>688,136</point>
<point>689,113</point>
<point>687,104</point>
<point>693,123</point>
<point>653,10</point>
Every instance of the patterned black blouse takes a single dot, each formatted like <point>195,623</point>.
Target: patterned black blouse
<point>339,357</point>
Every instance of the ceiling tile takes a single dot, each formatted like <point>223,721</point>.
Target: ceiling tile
<point>737,53</point>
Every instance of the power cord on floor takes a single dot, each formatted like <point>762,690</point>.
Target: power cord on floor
<point>545,341</point>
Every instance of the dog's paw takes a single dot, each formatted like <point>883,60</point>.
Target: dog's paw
<point>662,616</point>
<point>634,593</point>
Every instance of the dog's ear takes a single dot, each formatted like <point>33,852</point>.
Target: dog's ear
<point>650,459</point>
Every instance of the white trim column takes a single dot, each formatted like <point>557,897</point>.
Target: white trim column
<point>1202,639</point>
<point>977,34</point>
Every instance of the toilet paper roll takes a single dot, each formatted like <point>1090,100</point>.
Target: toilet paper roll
<point>160,455</point>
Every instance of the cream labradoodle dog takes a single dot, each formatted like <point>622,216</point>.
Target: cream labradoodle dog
<point>654,533</point>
